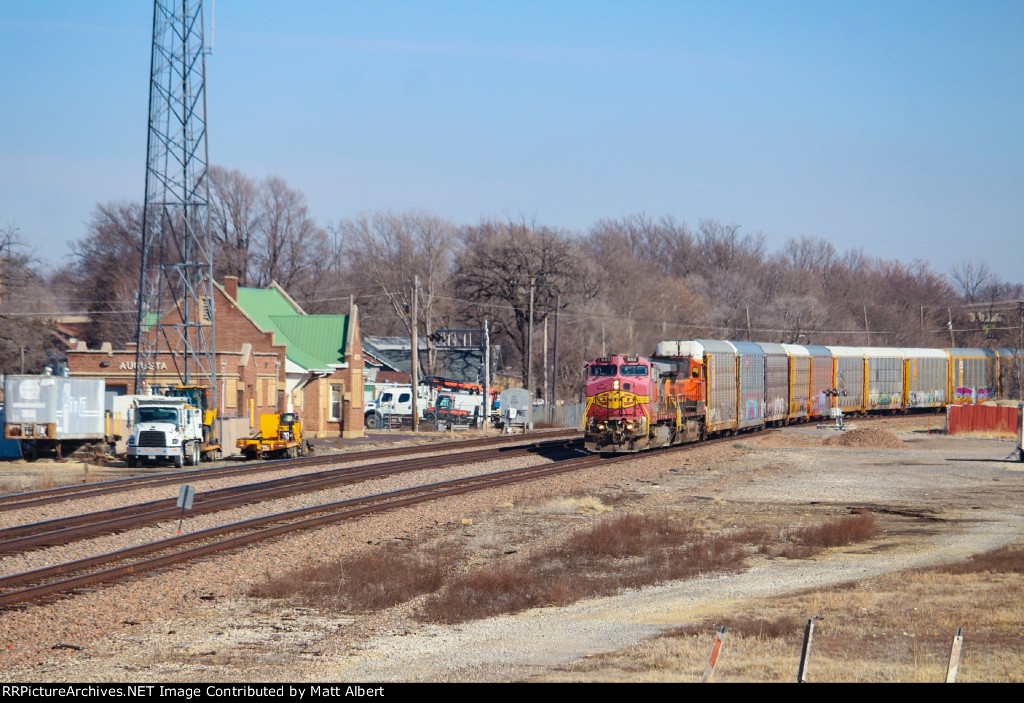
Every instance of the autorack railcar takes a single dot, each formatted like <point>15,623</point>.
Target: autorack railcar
<point>689,389</point>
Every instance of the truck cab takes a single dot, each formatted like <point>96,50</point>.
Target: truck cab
<point>165,430</point>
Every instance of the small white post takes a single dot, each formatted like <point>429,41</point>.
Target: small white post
<point>954,656</point>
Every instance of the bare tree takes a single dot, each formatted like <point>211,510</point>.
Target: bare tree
<point>27,305</point>
<point>234,221</point>
<point>502,266</point>
<point>281,250</point>
<point>392,251</point>
<point>105,272</point>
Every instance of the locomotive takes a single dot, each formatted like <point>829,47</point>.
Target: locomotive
<point>689,389</point>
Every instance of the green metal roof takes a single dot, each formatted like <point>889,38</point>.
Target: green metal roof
<point>321,336</point>
<point>311,341</point>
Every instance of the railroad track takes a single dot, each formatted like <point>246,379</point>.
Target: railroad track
<point>44,583</point>
<point>63,530</point>
<point>18,501</point>
<point>70,577</point>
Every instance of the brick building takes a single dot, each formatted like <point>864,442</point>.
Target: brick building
<point>270,357</point>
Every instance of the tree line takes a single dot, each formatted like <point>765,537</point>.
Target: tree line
<point>620,286</point>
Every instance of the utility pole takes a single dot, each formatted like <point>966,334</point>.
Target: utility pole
<point>415,367</point>
<point>545,386</point>
<point>529,359</point>
<point>487,375</point>
<point>176,288</point>
<point>554,369</point>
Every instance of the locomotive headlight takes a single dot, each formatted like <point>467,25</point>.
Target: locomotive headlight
<point>615,384</point>
<point>629,425</point>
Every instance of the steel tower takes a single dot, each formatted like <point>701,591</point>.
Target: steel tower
<point>176,278</point>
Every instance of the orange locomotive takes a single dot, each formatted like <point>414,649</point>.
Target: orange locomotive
<point>634,405</point>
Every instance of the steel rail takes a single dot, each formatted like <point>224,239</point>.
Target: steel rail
<point>68,529</point>
<point>18,501</point>
<point>307,518</point>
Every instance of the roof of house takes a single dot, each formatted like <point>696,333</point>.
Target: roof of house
<point>314,342</point>
<point>395,352</point>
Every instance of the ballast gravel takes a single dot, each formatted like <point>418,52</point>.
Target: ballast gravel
<point>196,623</point>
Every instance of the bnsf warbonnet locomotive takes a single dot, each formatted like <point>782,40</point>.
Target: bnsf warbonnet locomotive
<point>690,389</point>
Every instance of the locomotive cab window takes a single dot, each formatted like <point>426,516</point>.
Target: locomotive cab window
<point>603,370</point>
<point>633,370</point>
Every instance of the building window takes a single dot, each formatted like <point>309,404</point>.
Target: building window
<point>205,311</point>
<point>337,391</point>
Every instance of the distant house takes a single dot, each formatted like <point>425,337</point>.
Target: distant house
<point>270,357</point>
<point>389,359</point>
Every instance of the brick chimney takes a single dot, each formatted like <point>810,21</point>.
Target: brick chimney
<point>231,287</point>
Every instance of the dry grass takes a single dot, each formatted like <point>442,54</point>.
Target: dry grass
<point>837,533</point>
<point>896,628</point>
<point>623,552</point>
<point>1009,560</point>
<point>367,582</point>
<point>613,554</point>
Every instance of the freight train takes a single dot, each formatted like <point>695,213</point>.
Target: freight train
<point>688,390</point>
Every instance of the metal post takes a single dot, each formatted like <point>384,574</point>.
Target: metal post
<point>805,653</point>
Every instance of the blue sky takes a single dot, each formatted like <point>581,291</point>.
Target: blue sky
<point>892,126</point>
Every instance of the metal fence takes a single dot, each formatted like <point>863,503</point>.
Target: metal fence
<point>558,415</point>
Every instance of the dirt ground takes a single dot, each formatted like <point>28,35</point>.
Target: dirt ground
<point>938,499</point>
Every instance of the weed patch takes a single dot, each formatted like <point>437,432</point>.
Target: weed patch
<point>367,582</point>
<point>628,551</point>
<point>1007,560</point>
<point>837,533</point>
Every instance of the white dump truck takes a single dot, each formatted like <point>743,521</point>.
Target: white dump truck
<point>165,429</point>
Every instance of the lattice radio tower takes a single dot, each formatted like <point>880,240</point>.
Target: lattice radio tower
<point>176,279</point>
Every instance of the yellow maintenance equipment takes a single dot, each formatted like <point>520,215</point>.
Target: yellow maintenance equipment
<point>279,436</point>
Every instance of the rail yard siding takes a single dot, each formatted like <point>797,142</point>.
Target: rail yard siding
<point>981,418</point>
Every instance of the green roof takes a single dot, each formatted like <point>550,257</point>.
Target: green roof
<point>321,336</point>
<point>311,341</point>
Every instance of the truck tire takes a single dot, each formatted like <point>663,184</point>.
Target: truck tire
<point>131,461</point>
<point>179,461</point>
<point>373,421</point>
